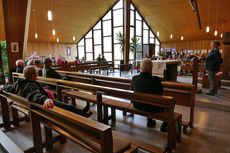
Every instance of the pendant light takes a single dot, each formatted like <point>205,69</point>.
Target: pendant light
<point>74,38</point>
<point>158,33</point>
<point>50,15</point>
<point>208,28</point>
<point>35,26</point>
<point>182,37</point>
<point>53,31</point>
<point>217,7</point>
<point>57,39</point>
<point>171,36</point>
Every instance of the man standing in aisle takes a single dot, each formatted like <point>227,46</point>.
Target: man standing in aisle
<point>212,65</point>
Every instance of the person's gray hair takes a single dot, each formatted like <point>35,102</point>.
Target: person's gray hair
<point>146,66</point>
<point>216,43</point>
<point>19,61</point>
<point>31,62</point>
<point>28,71</point>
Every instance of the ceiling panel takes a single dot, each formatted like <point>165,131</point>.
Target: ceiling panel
<point>176,17</point>
<point>76,17</point>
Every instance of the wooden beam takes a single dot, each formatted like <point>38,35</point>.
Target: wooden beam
<point>16,22</point>
<point>226,55</point>
<point>127,4</point>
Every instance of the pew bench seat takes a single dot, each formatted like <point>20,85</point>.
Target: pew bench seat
<point>119,145</point>
<point>7,145</point>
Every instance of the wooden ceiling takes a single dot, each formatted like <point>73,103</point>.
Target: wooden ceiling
<point>76,17</point>
<point>176,17</point>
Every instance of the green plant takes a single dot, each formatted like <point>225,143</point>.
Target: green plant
<point>121,41</point>
<point>161,54</point>
<point>134,44</point>
<point>4,59</point>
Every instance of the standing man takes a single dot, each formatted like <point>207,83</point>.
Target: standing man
<point>212,65</point>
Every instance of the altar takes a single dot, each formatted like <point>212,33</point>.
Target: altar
<point>165,69</point>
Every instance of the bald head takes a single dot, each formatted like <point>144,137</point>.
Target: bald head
<point>29,72</point>
<point>146,66</point>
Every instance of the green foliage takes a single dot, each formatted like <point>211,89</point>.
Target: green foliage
<point>121,41</point>
<point>134,44</point>
<point>4,59</point>
<point>161,54</point>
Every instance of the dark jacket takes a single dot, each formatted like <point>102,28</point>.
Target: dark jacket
<point>48,72</point>
<point>146,83</point>
<point>213,61</point>
<point>19,69</point>
<point>28,89</point>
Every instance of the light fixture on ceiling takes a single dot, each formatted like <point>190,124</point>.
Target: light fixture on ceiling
<point>36,35</point>
<point>158,33</point>
<point>208,28</point>
<point>181,38</point>
<point>171,36</point>
<point>57,39</point>
<point>215,33</point>
<point>216,25</point>
<point>53,32</point>
<point>50,15</point>
<point>74,38</point>
<point>221,35</point>
<point>35,26</point>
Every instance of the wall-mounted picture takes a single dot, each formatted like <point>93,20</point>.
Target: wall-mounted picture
<point>68,51</point>
<point>14,47</point>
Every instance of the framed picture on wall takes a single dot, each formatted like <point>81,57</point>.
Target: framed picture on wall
<point>14,47</point>
<point>68,51</point>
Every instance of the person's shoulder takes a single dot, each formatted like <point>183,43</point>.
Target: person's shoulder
<point>136,76</point>
<point>156,78</point>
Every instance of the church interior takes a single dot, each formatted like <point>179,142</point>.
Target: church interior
<point>109,58</point>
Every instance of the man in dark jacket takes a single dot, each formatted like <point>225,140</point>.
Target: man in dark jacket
<point>30,89</point>
<point>48,72</point>
<point>212,65</point>
<point>146,83</point>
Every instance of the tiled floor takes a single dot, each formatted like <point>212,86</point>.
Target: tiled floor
<point>210,133</point>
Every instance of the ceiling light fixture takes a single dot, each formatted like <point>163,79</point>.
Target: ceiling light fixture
<point>57,39</point>
<point>221,35</point>
<point>181,38</point>
<point>35,26</point>
<point>215,33</point>
<point>217,7</point>
<point>171,36</point>
<point>50,15</point>
<point>158,33</point>
<point>74,38</point>
<point>53,32</point>
<point>208,28</point>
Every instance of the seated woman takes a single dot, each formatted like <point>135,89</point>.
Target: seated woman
<point>20,66</point>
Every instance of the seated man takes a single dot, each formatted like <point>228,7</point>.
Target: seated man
<point>30,89</point>
<point>146,83</point>
<point>48,72</point>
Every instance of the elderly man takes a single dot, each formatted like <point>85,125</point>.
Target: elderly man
<point>30,89</point>
<point>146,83</point>
<point>212,65</point>
<point>19,66</point>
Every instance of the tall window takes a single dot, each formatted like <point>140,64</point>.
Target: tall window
<point>102,38</point>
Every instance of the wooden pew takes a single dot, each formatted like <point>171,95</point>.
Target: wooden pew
<point>83,66</point>
<point>7,145</point>
<point>184,94</point>
<point>91,135</point>
<point>19,104</point>
<point>170,116</point>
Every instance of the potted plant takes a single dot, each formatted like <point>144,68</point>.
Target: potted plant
<point>160,55</point>
<point>133,46</point>
<point>4,71</point>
